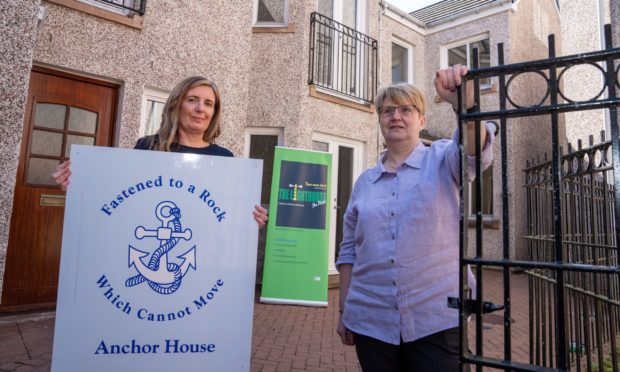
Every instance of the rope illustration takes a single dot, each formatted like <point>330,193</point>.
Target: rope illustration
<point>154,262</point>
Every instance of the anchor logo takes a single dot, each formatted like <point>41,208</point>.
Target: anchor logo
<point>162,276</point>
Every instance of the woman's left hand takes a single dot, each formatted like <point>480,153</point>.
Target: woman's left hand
<point>260,216</point>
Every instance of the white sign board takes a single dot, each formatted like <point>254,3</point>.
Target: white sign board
<point>158,262</point>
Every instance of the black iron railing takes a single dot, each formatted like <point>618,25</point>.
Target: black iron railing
<point>593,299</point>
<point>566,262</point>
<point>138,6</point>
<point>342,60</point>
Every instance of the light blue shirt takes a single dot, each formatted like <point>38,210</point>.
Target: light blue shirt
<point>401,234</point>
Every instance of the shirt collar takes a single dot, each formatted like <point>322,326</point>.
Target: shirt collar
<point>414,160</point>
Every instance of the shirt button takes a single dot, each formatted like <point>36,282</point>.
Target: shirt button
<point>391,213</point>
<point>396,307</point>
<point>393,282</point>
<point>394,175</point>
<point>393,237</point>
<point>393,261</point>
<point>393,194</point>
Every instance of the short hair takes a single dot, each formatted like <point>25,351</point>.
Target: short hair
<point>402,93</point>
<point>169,130</point>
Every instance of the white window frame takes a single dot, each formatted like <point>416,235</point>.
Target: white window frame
<point>150,94</point>
<point>256,23</point>
<point>443,60</point>
<point>410,58</point>
<point>107,7</point>
<point>261,131</point>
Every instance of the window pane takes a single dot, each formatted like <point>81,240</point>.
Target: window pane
<point>40,171</point>
<point>46,143</point>
<point>153,116</point>
<point>78,140</point>
<point>487,192</point>
<point>484,53</point>
<point>326,8</point>
<point>320,146</point>
<point>83,121</point>
<point>457,55</point>
<point>49,115</point>
<point>349,10</point>
<point>400,64</point>
<point>484,57</point>
<point>345,185</point>
<point>270,11</point>
<point>263,147</point>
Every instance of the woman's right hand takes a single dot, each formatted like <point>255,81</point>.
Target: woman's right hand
<point>346,336</point>
<point>62,173</point>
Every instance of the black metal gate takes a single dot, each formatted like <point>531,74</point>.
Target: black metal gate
<point>574,223</point>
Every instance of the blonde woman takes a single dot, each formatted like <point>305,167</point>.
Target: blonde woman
<point>191,121</point>
<point>399,256</point>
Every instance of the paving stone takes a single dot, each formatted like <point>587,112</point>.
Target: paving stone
<point>292,338</point>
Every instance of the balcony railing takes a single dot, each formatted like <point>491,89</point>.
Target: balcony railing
<point>342,60</point>
<point>138,6</point>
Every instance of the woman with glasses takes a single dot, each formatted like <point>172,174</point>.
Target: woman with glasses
<point>399,257</point>
<point>191,121</point>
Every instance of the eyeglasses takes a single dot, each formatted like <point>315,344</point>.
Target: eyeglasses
<point>403,110</point>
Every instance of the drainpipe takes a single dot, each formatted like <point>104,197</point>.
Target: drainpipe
<point>601,27</point>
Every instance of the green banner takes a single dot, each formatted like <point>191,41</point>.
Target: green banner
<point>296,251</point>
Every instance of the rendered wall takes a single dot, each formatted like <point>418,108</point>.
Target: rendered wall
<point>18,27</point>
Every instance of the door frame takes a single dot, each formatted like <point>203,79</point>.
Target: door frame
<point>359,159</point>
<point>24,151</point>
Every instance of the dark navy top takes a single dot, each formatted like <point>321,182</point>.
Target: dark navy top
<point>149,143</point>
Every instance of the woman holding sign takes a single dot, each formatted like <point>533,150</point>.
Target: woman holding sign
<point>399,257</point>
<point>191,121</point>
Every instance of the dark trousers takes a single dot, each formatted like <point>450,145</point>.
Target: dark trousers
<point>437,352</point>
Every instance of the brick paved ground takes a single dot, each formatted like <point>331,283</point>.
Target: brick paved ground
<point>285,338</point>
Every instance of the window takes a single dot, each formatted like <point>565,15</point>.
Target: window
<point>271,13</point>
<point>55,127</point>
<point>403,60</point>
<point>343,59</point>
<point>487,193</point>
<point>261,144</point>
<point>153,103</point>
<point>463,52</point>
<point>122,7</point>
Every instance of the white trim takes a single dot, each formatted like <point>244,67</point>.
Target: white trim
<point>410,57</point>
<point>256,23</point>
<point>150,94</point>
<point>361,15</point>
<point>261,131</point>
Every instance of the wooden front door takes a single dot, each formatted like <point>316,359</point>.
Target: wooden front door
<point>62,110</point>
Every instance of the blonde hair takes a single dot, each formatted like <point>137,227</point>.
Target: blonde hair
<point>402,93</point>
<point>169,131</point>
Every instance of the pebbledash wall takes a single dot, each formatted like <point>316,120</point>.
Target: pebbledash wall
<point>263,74</point>
<point>18,25</point>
